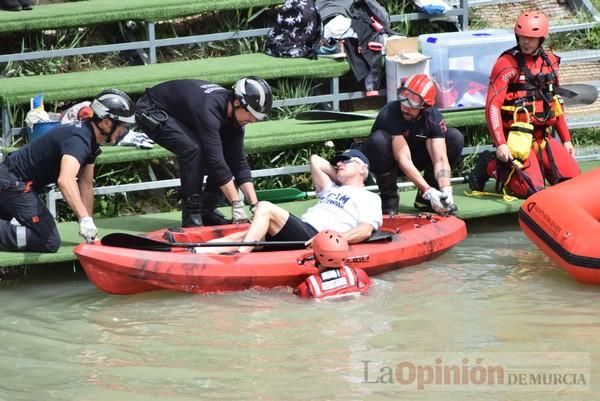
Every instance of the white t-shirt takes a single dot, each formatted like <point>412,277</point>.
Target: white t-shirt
<point>342,208</point>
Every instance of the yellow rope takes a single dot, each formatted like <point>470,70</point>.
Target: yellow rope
<point>506,196</point>
<point>479,194</point>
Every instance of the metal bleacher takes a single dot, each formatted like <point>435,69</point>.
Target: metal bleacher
<point>147,49</point>
<point>150,45</point>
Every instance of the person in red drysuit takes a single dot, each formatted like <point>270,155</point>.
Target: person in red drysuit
<point>526,76</point>
<point>335,278</point>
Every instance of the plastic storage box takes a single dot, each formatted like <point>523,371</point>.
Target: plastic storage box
<point>40,129</point>
<point>461,63</point>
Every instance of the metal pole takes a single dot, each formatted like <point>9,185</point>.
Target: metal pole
<point>151,35</point>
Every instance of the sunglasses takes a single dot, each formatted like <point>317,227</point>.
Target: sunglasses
<point>410,98</point>
<point>352,160</point>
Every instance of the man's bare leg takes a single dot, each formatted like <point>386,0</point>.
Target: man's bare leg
<point>268,219</point>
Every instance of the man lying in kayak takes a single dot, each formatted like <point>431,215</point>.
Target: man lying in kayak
<point>344,206</point>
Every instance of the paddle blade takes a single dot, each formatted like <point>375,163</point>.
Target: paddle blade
<point>280,195</point>
<point>132,241</point>
<point>578,94</point>
<point>379,235</point>
<point>317,115</point>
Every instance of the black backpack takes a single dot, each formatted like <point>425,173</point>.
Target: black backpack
<point>297,30</point>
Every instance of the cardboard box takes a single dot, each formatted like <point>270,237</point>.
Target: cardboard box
<point>402,59</point>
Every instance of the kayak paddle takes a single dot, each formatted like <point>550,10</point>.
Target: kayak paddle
<point>133,241</point>
<point>124,240</point>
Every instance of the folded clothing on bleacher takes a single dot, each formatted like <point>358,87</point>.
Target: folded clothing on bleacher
<point>432,7</point>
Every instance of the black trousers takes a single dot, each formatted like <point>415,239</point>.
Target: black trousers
<point>178,138</point>
<point>378,148</point>
<point>37,231</point>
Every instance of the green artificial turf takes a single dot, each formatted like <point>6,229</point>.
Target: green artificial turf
<point>220,70</point>
<point>86,13</point>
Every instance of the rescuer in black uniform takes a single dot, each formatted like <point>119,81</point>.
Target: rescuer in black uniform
<point>203,125</point>
<point>409,136</point>
<point>65,155</point>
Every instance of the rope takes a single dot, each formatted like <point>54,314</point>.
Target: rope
<point>479,194</point>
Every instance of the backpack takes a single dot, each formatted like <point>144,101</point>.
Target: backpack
<point>297,30</point>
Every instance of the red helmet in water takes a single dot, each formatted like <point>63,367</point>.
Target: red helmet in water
<point>533,24</point>
<point>417,92</point>
<point>330,249</point>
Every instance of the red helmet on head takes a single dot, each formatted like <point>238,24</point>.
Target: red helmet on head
<point>533,24</point>
<point>422,85</point>
<point>330,249</point>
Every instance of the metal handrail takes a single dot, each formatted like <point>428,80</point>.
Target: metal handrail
<point>152,43</point>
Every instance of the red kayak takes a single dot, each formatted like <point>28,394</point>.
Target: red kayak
<point>563,221</point>
<point>409,240</point>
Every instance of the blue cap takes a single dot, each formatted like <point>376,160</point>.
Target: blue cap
<point>349,154</point>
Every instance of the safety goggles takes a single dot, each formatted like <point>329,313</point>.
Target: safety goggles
<point>410,98</point>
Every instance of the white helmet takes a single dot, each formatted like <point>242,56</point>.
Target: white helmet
<point>255,95</point>
<point>114,104</point>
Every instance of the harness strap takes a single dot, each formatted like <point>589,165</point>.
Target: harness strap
<point>539,147</point>
<point>538,86</point>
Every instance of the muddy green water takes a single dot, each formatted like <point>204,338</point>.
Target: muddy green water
<point>494,297</point>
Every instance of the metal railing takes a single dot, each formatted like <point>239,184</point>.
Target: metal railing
<point>151,44</point>
<point>53,195</point>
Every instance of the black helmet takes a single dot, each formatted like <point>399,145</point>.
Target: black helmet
<point>255,95</point>
<point>114,104</point>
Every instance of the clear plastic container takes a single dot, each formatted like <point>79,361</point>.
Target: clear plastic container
<point>461,63</point>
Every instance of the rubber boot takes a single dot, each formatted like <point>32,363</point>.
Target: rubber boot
<point>388,191</point>
<point>191,212</point>
<point>210,215</point>
<point>479,176</point>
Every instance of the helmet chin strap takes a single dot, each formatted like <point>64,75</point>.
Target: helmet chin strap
<point>234,108</point>
<point>537,51</point>
<point>111,132</point>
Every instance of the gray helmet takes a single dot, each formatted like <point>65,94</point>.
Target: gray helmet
<point>114,104</point>
<point>255,95</point>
